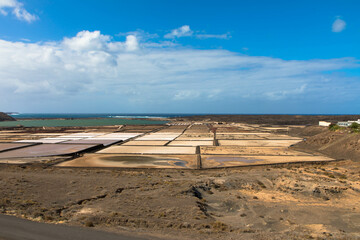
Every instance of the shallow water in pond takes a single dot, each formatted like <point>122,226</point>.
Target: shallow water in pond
<point>233,159</point>
<point>127,160</point>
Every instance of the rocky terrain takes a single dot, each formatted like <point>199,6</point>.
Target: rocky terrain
<point>341,144</point>
<point>273,119</point>
<point>266,202</point>
<point>5,117</point>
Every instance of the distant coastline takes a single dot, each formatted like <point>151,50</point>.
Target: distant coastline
<point>95,119</point>
<point>164,116</point>
<point>94,115</point>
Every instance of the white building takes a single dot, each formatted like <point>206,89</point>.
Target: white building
<point>348,123</point>
<point>324,124</point>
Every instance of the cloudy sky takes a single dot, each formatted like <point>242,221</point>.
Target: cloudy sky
<point>195,56</point>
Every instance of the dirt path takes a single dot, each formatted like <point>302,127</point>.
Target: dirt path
<point>12,228</point>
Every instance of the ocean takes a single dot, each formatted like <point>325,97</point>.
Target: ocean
<point>95,115</point>
<point>84,119</point>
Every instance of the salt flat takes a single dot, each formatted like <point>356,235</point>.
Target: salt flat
<point>246,160</point>
<point>131,161</point>
<point>148,150</point>
<point>258,143</point>
<point>190,143</point>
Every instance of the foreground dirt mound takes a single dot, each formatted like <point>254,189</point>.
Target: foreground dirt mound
<point>338,145</point>
<point>302,201</point>
<point>5,117</point>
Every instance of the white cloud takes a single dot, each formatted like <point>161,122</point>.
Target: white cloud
<point>338,25</point>
<point>93,68</point>
<point>183,31</point>
<point>219,36</point>
<point>131,43</point>
<point>17,10</point>
<point>22,14</point>
<point>285,93</point>
<point>186,94</point>
<point>139,34</point>
<point>85,41</point>
<point>8,3</point>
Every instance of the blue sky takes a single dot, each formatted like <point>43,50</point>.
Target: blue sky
<point>180,56</point>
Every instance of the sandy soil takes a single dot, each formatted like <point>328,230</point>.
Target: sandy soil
<point>274,202</point>
<point>340,144</point>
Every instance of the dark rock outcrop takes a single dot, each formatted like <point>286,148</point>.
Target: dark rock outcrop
<point>5,117</point>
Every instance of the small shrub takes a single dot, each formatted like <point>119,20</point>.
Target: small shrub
<point>219,226</point>
<point>261,184</point>
<point>342,176</point>
<point>334,127</point>
<point>330,175</point>
<point>89,224</point>
<point>355,127</point>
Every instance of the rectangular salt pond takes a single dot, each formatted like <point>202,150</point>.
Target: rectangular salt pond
<point>110,138</point>
<point>145,143</point>
<point>238,136</point>
<point>105,142</point>
<point>84,134</point>
<point>132,161</point>
<point>158,137</point>
<point>234,161</point>
<point>121,136</point>
<point>190,143</point>
<point>241,150</point>
<point>258,143</point>
<point>43,141</point>
<point>62,138</point>
<point>148,150</point>
<point>42,150</point>
<point>12,146</point>
<point>281,137</point>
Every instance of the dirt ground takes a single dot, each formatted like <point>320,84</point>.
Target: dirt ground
<point>272,202</point>
<point>339,144</point>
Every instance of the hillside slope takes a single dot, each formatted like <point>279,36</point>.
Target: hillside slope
<point>338,145</point>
